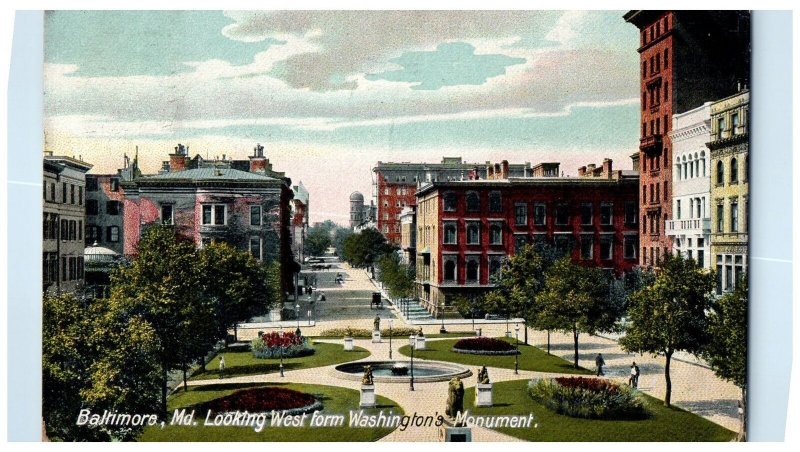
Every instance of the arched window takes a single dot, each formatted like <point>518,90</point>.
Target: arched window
<point>720,173</point>
<point>699,206</point>
<point>472,270</point>
<point>449,202</point>
<point>450,270</point>
<point>703,164</point>
<point>450,234</point>
<point>691,167</point>
<point>473,202</point>
<point>734,171</point>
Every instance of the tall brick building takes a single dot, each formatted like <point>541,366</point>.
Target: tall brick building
<point>395,185</point>
<point>687,58</point>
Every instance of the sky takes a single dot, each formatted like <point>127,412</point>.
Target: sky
<point>330,93</point>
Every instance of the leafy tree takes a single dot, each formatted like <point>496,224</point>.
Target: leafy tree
<point>670,314</point>
<point>726,351</point>
<point>163,286</point>
<point>397,276</point>
<point>576,299</point>
<point>363,249</point>
<point>339,236</point>
<point>318,239</point>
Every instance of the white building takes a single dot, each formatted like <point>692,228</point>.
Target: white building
<point>690,227</point>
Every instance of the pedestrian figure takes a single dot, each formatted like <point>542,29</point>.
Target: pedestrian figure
<point>599,362</point>
<point>633,381</point>
<point>222,367</point>
<point>322,296</point>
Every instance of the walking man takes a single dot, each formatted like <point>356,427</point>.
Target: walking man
<point>633,381</point>
<point>599,362</point>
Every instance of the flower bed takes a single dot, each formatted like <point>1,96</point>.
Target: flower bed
<point>589,398</point>
<point>260,400</point>
<point>273,345</point>
<point>484,346</point>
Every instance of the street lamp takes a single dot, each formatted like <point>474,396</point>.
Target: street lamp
<point>297,314</point>
<point>442,330</point>
<point>281,366</point>
<point>413,347</point>
<point>390,338</point>
<point>516,355</point>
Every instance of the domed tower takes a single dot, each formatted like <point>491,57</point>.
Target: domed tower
<point>356,209</point>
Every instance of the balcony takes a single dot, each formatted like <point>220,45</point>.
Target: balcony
<point>692,226</point>
<point>651,143</point>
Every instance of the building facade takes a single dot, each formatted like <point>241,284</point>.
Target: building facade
<point>64,217</point>
<point>299,227</point>
<point>686,58</point>
<point>396,184</point>
<point>408,234</point>
<point>729,148</point>
<point>466,229</point>
<point>690,229</point>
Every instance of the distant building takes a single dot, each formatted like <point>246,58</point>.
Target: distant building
<point>361,216</point>
<point>299,227</point>
<point>690,228</point>
<point>465,229</point>
<point>395,185</point>
<point>408,235</point>
<point>63,197</point>
<point>729,146</point>
<point>104,204</point>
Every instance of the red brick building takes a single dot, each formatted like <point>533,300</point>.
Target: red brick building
<point>466,228</point>
<point>687,58</point>
<point>396,184</point>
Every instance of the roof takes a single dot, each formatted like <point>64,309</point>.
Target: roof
<point>356,196</point>
<point>210,174</point>
<point>628,176</point>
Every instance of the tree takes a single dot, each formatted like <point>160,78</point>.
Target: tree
<point>726,351</point>
<point>576,299</point>
<point>318,239</point>
<point>397,276</point>
<point>163,285</point>
<point>339,236</point>
<point>670,314</point>
<point>363,249</point>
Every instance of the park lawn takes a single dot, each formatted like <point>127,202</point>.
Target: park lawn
<point>530,358</point>
<point>335,400</point>
<point>244,363</point>
<point>663,424</point>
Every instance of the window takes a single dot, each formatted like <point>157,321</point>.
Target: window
<point>720,127</point>
<point>666,91</point>
<point>734,215</point>
<point>734,171</point>
<point>255,216</point>
<point>450,233</point>
<point>91,207</point>
<point>449,269</point>
<point>539,214</point>
<point>495,202</point>
<point>214,214</point>
<point>80,196</point>
<point>519,241</point>
<point>495,265</point>
<point>587,247</point>
<point>631,212</point>
<point>666,58</point>
<point>72,230</point>
<point>644,194</point>
<point>167,214</point>
<point>63,192</point>
<point>720,217</point>
<point>606,213</point>
<point>586,213</point>
<point>91,234</point>
<point>562,214</point>
<point>520,214</point>
<point>631,245</point>
<point>63,268</point>
<point>91,184</point>
<point>701,258</point>
<point>52,191</point>
<point>473,233</point>
<point>473,269</point>
<point>496,233</point>
<point>255,247</point>
<point>72,193</point>
<point>473,202</point>
<point>114,184</point>
<point>720,173</point>
<point>112,207</point>
<point>80,230</point>
<point>563,244</point>
<point>678,209</point>
<point>449,202</point>
<point>112,234</point>
<point>734,123</point>
<point>606,247</point>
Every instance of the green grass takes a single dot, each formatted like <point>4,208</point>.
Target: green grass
<point>335,400</point>
<point>663,424</point>
<point>530,358</point>
<point>244,363</point>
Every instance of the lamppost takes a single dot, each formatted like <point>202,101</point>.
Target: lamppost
<point>281,366</point>
<point>472,307</point>
<point>297,314</point>
<point>442,330</point>
<point>516,355</point>
<point>390,338</point>
<point>413,346</point>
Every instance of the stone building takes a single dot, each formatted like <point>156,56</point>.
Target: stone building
<point>687,58</point>
<point>729,148</point>
<point>63,199</point>
<point>465,229</point>
<point>690,229</point>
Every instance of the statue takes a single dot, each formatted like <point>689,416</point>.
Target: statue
<point>455,397</point>
<point>377,323</point>
<point>483,376</point>
<point>420,333</point>
<point>367,378</point>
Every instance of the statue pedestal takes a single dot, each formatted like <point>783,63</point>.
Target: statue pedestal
<point>367,396</point>
<point>508,334</point>
<point>450,434</point>
<point>348,344</point>
<point>376,336</point>
<point>483,394</point>
<point>420,342</point>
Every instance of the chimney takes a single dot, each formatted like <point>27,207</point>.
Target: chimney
<point>582,171</point>
<point>505,169</point>
<point>590,169</point>
<point>489,171</point>
<point>607,168</point>
<point>258,163</point>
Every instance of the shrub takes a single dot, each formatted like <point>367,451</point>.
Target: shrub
<point>365,333</point>
<point>259,400</point>
<point>589,398</point>
<point>484,346</point>
<point>269,345</point>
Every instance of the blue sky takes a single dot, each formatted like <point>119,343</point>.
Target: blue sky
<point>333,91</point>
